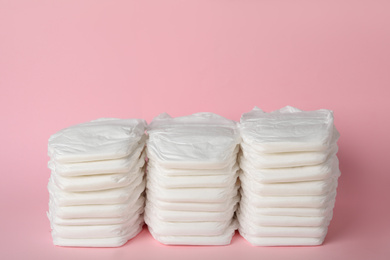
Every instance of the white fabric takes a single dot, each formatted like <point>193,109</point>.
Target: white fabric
<point>102,139</point>
<point>288,130</point>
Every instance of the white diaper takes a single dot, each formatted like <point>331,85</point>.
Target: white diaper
<point>200,228</point>
<point>100,242</point>
<point>292,174</point>
<point>192,195</point>
<point>219,240</point>
<point>288,130</point>
<point>190,216</point>
<point>102,139</point>
<point>97,211</point>
<point>308,188</point>
<point>192,181</point>
<point>111,196</point>
<point>286,160</point>
<point>98,182</point>
<point>97,231</point>
<point>193,206</point>
<point>198,141</point>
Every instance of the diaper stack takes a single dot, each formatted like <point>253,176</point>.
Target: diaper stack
<point>192,188</point>
<point>289,176</point>
<point>97,183</point>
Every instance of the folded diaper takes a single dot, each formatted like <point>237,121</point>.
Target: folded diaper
<point>200,228</point>
<point>274,231</point>
<point>95,231</point>
<point>219,240</point>
<point>232,166</point>
<point>100,242</point>
<point>98,182</point>
<point>296,211</point>
<point>102,139</point>
<point>190,216</point>
<point>288,130</point>
<point>309,188</point>
<point>196,195</point>
<point>282,241</point>
<point>112,196</point>
<point>284,160</point>
<point>99,210</point>
<point>193,206</point>
<point>292,174</point>
<point>126,164</point>
<point>284,221</point>
<point>192,181</point>
<point>198,141</point>
<point>55,219</point>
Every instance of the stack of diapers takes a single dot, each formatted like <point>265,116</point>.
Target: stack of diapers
<point>97,183</point>
<point>192,184</point>
<point>289,173</point>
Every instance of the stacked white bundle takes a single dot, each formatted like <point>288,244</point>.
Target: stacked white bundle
<point>192,188</point>
<point>289,173</point>
<point>97,183</point>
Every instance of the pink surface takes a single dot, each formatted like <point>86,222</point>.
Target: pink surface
<point>66,62</point>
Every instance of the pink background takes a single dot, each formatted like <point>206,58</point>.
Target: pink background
<point>66,62</point>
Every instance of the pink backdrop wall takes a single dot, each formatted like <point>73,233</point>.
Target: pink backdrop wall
<point>66,62</point>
